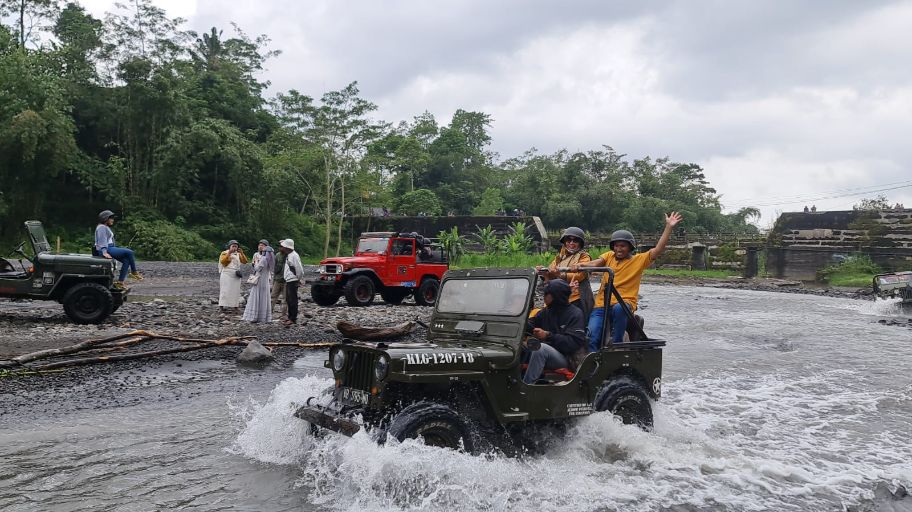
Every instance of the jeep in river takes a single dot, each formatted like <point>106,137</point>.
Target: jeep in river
<point>84,284</point>
<point>462,388</point>
<point>395,265</point>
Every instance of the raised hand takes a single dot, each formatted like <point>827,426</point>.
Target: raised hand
<point>672,219</point>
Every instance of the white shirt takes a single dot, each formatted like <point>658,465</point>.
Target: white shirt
<point>293,260</point>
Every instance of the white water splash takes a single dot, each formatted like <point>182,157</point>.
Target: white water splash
<point>721,442</point>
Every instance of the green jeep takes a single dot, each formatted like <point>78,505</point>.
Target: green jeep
<point>463,387</point>
<point>84,284</point>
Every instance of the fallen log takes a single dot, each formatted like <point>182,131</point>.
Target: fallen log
<point>128,357</point>
<point>358,332</point>
<point>79,347</point>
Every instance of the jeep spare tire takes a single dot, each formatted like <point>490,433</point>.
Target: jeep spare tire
<point>394,295</point>
<point>324,295</point>
<point>359,291</point>
<point>436,425</point>
<point>426,294</point>
<point>627,399</point>
<point>88,303</point>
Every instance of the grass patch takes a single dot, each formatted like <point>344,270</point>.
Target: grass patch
<point>518,260</point>
<point>855,271</point>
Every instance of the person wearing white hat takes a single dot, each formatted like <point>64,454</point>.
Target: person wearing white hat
<point>293,274</point>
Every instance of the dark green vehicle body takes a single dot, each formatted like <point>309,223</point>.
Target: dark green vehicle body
<point>84,284</point>
<point>471,365</point>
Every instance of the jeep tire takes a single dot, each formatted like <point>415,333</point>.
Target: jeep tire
<point>324,295</point>
<point>88,303</point>
<point>426,294</point>
<point>394,295</point>
<point>626,398</point>
<point>359,291</point>
<point>436,424</point>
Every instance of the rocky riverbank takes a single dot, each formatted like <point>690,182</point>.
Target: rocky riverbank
<point>181,298</point>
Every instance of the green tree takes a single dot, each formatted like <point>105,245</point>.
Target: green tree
<point>491,202</point>
<point>421,201</point>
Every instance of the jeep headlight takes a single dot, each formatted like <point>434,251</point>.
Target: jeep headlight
<point>338,360</point>
<point>381,367</point>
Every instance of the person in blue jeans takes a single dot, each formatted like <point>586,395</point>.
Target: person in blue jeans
<point>105,247</point>
<point>628,272</point>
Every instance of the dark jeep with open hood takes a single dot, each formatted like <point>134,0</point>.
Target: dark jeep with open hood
<point>84,284</point>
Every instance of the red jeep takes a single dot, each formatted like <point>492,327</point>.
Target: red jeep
<point>393,264</point>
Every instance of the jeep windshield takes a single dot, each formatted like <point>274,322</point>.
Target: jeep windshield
<point>505,296</point>
<point>372,245</point>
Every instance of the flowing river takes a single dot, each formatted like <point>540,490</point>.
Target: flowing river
<point>771,402</point>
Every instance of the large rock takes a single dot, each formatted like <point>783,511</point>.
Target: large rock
<point>255,355</point>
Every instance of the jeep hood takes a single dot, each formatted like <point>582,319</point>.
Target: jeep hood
<point>441,356</point>
<point>351,260</point>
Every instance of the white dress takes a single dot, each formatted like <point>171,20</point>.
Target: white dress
<point>230,283</point>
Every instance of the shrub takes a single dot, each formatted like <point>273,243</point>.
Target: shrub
<point>162,240</point>
<point>854,266</point>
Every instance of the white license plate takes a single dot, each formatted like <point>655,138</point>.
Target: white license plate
<point>355,395</point>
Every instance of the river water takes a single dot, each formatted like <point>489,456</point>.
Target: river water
<point>771,402</point>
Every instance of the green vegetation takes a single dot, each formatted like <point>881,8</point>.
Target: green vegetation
<point>172,130</point>
<point>855,271</point>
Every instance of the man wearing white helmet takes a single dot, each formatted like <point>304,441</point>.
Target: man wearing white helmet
<point>293,274</point>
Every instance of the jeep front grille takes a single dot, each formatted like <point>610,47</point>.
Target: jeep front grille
<point>331,269</point>
<point>359,370</point>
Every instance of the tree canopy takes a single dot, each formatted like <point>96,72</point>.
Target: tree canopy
<point>173,130</point>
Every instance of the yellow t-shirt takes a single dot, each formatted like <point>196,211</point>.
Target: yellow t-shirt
<point>627,276</point>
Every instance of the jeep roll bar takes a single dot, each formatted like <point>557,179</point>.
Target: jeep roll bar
<point>608,291</point>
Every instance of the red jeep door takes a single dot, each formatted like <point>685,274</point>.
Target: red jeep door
<point>401,269</point>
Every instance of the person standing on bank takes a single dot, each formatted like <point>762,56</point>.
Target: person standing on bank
<point>278,283</point>
<point>230,262</point>
<point>572,252</point>
<point>628,272</point>
<point>104,246</point>
<point>258,308</point>
<point>293,274</point>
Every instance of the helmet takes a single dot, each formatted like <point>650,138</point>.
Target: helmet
<point>574,232</point>
<point>622,235</point>
<point>104,216</point>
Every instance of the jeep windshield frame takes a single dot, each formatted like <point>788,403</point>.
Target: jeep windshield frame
<point>37,237</point>
<point>500,327</point>
<point>372,245</point>
<point>498,296</point>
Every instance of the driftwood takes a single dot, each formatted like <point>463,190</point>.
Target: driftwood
<point>97,350</point>
<point>128,357</point>
<point>358,332</point>
<point>79,347</point>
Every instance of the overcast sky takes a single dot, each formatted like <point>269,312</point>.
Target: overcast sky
<point>784,104</point>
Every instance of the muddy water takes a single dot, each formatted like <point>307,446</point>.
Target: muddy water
<point>772,402</point>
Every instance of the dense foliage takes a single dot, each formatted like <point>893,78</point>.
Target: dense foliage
<point>173,131</point>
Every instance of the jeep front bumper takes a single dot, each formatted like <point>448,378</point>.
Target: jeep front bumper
<point>339,420</point>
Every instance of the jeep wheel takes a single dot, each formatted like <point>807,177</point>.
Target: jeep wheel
<point>88,303</point>
<point>324,295</point>
<point>394,295</point>
<point>359,291</point>
<point>627,399</point>
<point>426,294</point>
<point>436,424</point>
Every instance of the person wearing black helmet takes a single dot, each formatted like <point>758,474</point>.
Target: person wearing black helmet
<point>628,272</point>
<point>105,247</point>
<point>572,252</point>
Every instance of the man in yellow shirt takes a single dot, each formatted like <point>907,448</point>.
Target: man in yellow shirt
<point>628,272</point>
